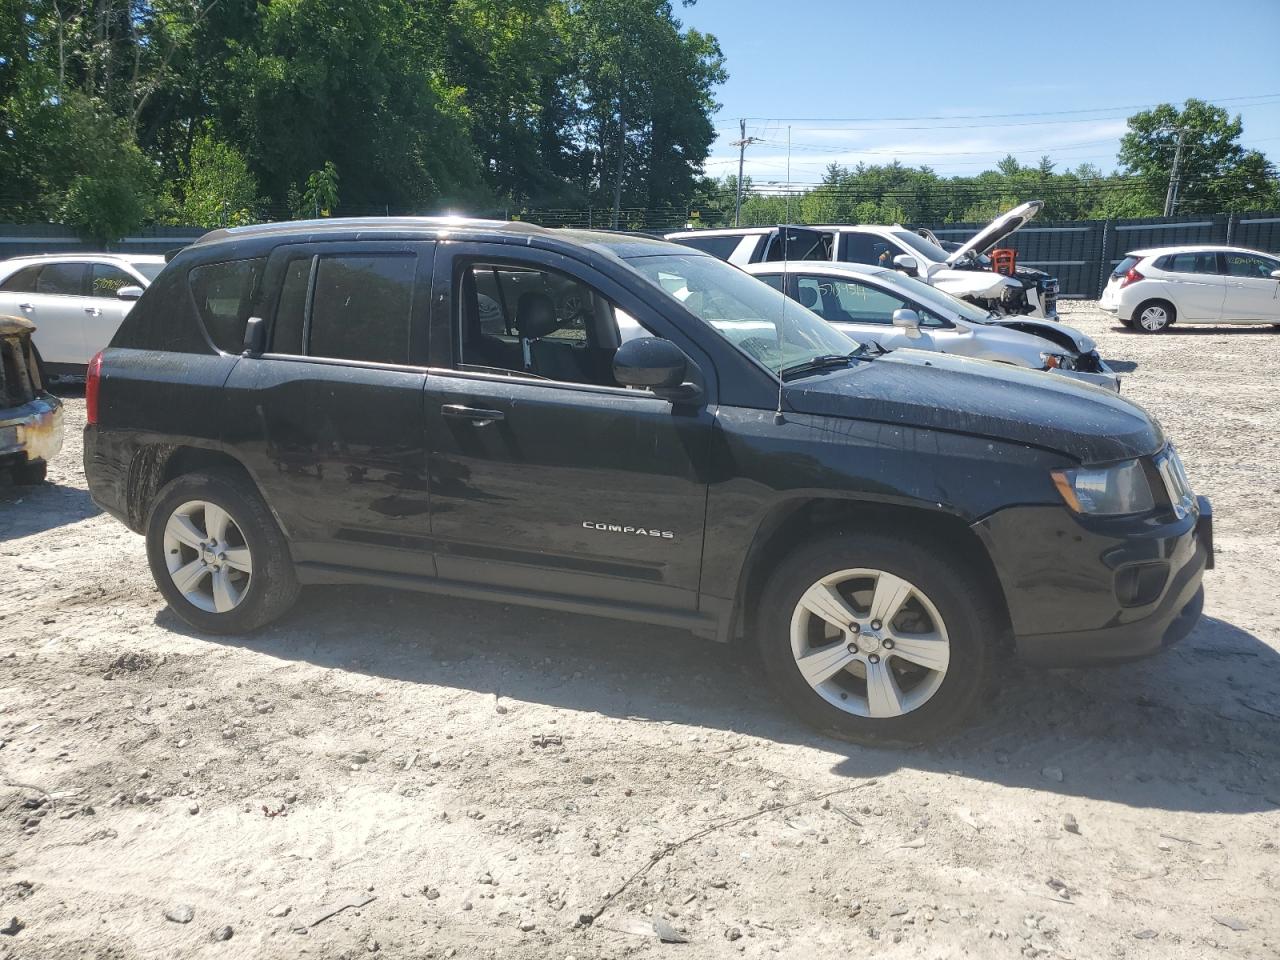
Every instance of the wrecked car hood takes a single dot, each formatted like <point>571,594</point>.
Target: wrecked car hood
<point>994,400</point>
<point>1056,333</point>
<point>999,228</point>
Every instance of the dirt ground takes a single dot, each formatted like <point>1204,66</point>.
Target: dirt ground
<point>426,777</point>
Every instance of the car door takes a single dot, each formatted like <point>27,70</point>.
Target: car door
<point>864,311</point>
<point>1194,283</point>
<point>51,295</point>
<point>1251,292</point>
<point>104,311</point>
<point>547,476</point>
<point>329,417</point>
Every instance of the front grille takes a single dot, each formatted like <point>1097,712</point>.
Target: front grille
<point>1049,296</point>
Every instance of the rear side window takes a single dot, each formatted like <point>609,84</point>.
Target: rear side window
<point>1124,266</point>
<point>24,281</point>
<point>361,306</point>
<point>62,279</point>
<point>1190,263</point>
<point>720,247</point>
<point>224,294</point>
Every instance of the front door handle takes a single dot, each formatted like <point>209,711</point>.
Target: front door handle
<point>477,415</point>
<point>27,306</point>
<point>93,311</point>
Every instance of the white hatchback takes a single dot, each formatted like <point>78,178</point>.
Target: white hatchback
<point>1151,289</point>
<point>76,301</point>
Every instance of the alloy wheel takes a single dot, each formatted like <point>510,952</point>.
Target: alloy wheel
<point>870,643</point>
<point>207,556</point>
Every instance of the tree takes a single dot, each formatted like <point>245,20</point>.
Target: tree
<point>217,188</point>
<point>1215,172</point>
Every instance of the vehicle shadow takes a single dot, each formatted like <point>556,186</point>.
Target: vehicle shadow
<point>1123,366</point>
<point>28,510</point>
<point>1178,731</point>
<point>1261,329</point>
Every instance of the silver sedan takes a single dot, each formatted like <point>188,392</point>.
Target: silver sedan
<point>872,304</point>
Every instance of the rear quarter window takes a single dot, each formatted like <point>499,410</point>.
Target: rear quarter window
<point>224,294</point>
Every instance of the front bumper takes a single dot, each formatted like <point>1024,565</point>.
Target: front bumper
<point>32,431</point>
<point>1063,575</point>
<point>1103,377</point>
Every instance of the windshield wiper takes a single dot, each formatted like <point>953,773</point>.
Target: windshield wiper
<point>823,361</point>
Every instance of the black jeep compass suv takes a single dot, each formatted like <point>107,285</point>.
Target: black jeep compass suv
<point>619,426</point>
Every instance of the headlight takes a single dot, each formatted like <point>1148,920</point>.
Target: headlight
<point>1106,490</point>
<point>1057,361</point>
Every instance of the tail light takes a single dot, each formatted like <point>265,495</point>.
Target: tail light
<point>91,381</point>
<point>1133,276</point>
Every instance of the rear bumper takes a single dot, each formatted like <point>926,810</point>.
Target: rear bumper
<point>32,431</point>
<point>1066,581</point>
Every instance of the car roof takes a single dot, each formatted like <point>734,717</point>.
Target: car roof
<point>722,232</point>
<point>85,257</point>
<point>1194,248</point>
<point>830,267</point>
<point>615,243</point>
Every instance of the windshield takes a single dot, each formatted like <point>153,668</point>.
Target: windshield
<point>148,270</point>
<point>926,248</point>
<point>744,311</point>
<point>929,296</point>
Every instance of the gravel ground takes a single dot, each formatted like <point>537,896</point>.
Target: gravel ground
<point>427,777</point>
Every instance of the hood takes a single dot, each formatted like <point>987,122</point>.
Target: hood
<point>997,230</point>
<point>935,391</point>
<point>1058,334</point>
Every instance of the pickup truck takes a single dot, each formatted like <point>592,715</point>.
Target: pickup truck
<point>450,406</point>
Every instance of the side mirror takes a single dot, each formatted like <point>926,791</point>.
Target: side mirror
<point>655,364</point>
<point>907,264</point>
<point>131,292</point>
<point>1275,274</point>
<point>255,336</point>
<point>909,321</point>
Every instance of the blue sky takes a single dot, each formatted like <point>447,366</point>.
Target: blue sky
<point>1072,68</point>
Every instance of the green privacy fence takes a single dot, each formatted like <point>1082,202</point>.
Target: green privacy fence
<point>1081,254</point>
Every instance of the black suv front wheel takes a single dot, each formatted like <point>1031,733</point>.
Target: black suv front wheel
<point>877,638</point>
<point>217,555</point>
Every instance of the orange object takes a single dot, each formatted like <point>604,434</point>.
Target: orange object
<point>1004,261</point>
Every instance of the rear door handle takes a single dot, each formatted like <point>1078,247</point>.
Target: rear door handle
<point>93,311</point>
<point>27,306</point>
<point>477,415</point>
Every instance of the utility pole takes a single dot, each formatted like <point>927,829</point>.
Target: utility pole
<point>742,143</point>
<point>1171,198</point>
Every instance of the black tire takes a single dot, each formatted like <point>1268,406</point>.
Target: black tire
<point>30,474</point>
<point>273,585</point>
<point>1171,312</point>
<point>972,622</point>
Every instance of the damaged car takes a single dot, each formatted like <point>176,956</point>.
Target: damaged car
<point>964,272</point>
<point>872,304</point>
<point>30,417</point>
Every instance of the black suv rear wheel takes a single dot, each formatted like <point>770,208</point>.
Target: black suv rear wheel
<point>217,555</point>
<point>877,638</point>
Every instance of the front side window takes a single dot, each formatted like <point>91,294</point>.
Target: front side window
<point>106,279</point>
<point>870,249</point>
<point>224,294</point>
<point>759,321</point>
<point>540,323</point>
<point>848,301</point>
<point>62,279</point>
<point>1250,266</point>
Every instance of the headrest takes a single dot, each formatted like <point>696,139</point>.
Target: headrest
<point>808,297</point>
<point>536,315</point>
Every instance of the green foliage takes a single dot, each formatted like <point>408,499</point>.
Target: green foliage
<point>217,189</point>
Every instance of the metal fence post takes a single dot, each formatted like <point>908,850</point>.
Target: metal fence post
<point>1103,260</point>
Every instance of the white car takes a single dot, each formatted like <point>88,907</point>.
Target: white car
<point>1151,289</point>
<point>76,301</point>
<point>960,272</point>
<point>872,304</point>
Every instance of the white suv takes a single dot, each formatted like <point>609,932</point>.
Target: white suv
<point>960,272</point>
<point>1150,289</point>
<point>76,301</point>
